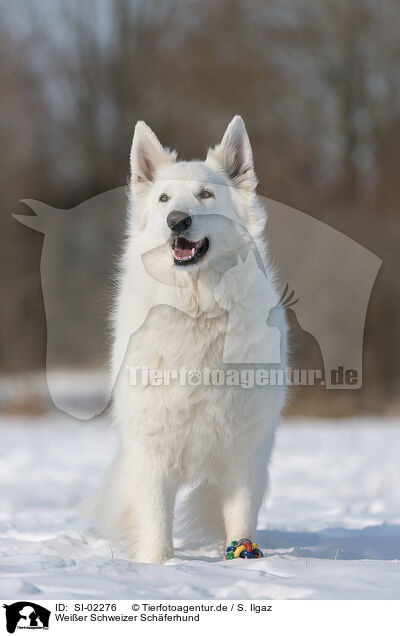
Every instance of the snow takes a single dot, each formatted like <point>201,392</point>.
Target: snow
<point>330,530</point>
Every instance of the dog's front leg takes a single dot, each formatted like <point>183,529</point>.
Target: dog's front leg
<point>154,509</point>
<point>242,497</point>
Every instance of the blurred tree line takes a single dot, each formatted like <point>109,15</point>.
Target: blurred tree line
<point>316,82</point>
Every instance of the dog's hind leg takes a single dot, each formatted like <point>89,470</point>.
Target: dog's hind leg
<point>202,513</point>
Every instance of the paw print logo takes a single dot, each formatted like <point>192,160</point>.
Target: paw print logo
<point>194,377</point>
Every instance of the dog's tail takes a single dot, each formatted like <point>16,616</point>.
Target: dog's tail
<point>201,515</point>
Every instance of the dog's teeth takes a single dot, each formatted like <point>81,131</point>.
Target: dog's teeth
<point>193,251</point>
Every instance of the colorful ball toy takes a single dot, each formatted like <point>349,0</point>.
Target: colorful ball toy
<point>243,549</point>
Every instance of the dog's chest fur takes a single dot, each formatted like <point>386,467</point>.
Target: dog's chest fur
<point>186,423</point>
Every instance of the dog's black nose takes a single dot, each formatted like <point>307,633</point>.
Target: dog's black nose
<point>178,221</point>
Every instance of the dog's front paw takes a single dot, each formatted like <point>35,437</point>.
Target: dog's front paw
<point>152,554</point>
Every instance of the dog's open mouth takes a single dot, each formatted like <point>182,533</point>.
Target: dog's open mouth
<point>186,252</point>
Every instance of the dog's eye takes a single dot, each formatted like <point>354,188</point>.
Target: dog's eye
<point>163,198</point>
<point>205,194</point>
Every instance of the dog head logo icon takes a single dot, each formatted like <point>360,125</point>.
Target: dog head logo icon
<point>26,615</point>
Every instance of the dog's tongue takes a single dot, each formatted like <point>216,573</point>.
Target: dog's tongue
<point>183,253</point>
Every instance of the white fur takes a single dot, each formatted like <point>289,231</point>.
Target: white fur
<point>218,439</point>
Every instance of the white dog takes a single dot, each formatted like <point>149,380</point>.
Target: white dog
<point>194,264</point>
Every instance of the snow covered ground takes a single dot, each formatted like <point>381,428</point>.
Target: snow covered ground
<point>331,529</point>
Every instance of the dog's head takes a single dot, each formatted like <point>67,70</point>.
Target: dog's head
<point>200,209</point>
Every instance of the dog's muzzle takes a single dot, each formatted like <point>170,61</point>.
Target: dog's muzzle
<point>185,252</point>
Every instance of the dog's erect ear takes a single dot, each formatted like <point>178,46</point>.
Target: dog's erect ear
<point>234,154</point>
<point>147,154</point>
